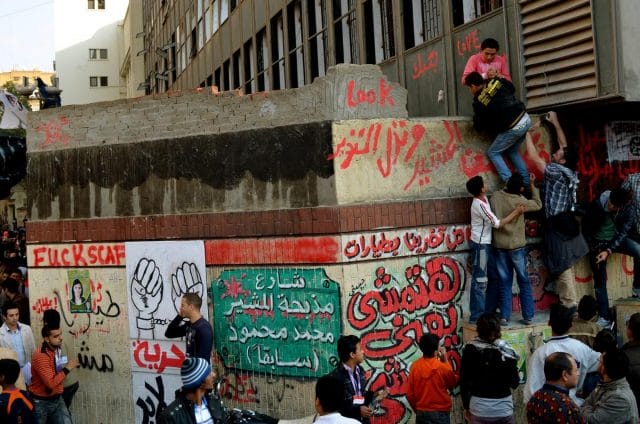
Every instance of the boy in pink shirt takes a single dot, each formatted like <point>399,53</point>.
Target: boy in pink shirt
<point>487,62</point>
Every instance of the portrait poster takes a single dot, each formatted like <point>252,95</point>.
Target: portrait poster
<point>79,291</point>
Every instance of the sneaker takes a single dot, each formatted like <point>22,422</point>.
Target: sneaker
<point>504,322</point>
<point>527,321</point>
<point>605,324</point>
<point>635,293</point>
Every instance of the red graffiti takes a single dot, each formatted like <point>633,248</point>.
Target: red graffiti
<point>44,303</point>
<point>77,255</point>
<point>234,288</point>
<point>272,251</point>
<point>420,68</point>
<point>239,388</point>
<point>595,171</point>
<point>399,147</point>
<point>393,317</point>
<point>356,97</point>
<point>53,131</point>
<point>154,358</point>
<point>469,43</point>
<point>439,155</point>
<point>473,163</point>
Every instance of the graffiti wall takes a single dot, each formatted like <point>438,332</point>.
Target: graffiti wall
<point>96,334</point>
<point>409,158</point>
<point>158,274</point>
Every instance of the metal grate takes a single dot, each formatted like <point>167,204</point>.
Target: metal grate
<point>558,51</point>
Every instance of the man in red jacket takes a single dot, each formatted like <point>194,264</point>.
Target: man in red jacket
<point>48,370</point>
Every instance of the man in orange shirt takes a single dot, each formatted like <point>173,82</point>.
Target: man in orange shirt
<point>48,371</point>
<point>429,379</point>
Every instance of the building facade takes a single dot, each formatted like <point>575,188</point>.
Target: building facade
<point>88,51</point>
<point>559,52</point>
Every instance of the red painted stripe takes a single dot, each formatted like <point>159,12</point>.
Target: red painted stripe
<point>308,250</point>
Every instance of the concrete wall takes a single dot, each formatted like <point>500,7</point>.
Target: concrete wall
<point>338,212</point>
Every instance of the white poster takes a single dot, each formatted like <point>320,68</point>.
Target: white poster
<point>158,274</point>
<point>623,140</point>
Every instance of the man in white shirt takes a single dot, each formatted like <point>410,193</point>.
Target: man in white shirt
<point>17,337</point>
<point>587,359</point>
<point>329,401</point>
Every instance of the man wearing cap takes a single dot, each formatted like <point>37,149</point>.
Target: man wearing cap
<point>195,403</point>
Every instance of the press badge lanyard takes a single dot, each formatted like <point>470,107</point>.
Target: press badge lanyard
<point>358,399</point>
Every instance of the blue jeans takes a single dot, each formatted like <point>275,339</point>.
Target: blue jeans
<point>480,254</point>
<point>51,411</point>
<point>492,297</point>
<point>508,143</point>
<point>628,247</point>
<point>432,417</point>
<point>508,261</point>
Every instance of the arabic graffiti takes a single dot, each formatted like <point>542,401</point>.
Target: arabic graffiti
<point>357,96</point>
<point>430,64</point>
<point>52,130</point>
<point>399,143</point>
<point>387,244</point>
<point>280,321</point>
<point>43,303</point>
<point>397,311</point>
<point>155,358</point>
<point>76,255</point>
<point>150,396</point>
<point>89,362</point>
<point>239,387</point>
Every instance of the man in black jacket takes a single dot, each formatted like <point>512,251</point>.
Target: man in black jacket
<point>499,112</point>
<point>606,225</point>
<point>356,398</point>
<point>189,323</point>
<point>195,402</point>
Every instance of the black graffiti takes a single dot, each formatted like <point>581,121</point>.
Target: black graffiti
<point>113,310</point>
<point>150,409</point>
<point>280,384</point>
<point>90,362</point>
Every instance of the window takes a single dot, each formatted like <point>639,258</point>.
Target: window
<point>467,10</point>
<point>346,35</point>
<point>249,82</point>
<point>237,83</point>
<point>378,30</point>
<point>317,20</point>
<point>216,16</point>
<point>25,81</point>
<point>296,55</point>
<point>95,4</point>
<point>421,21</point>
<point>95,54</point>
<point>98,81</point>
<point>224,10</point>
<point>262,60</point>
<point>226,75</point>
<point>277,52</point>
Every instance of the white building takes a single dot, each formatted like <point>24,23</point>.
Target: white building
<point>88,45</point>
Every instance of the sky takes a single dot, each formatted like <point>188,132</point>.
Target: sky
<point>26,34</point>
